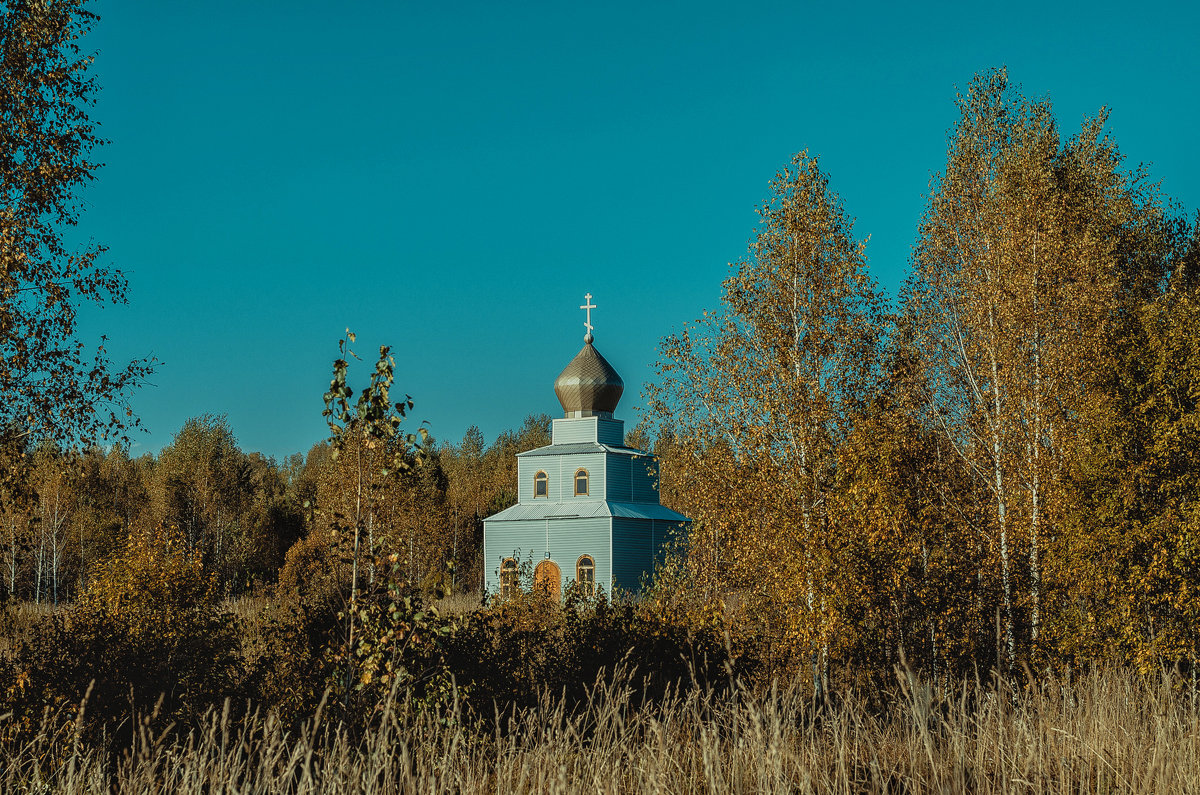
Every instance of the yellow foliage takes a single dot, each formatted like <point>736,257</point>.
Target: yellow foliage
<point>153,578</point>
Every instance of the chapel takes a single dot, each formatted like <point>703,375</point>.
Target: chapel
<point>587,507</point>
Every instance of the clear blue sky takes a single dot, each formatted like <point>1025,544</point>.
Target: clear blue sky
<point>451,178</point>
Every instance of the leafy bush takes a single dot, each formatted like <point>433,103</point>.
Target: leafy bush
<point>510,652</point>
<point>292,669</point>
<point>147,635</point>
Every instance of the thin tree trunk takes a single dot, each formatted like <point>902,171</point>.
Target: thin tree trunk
<point>1001,500</point>
<point>1035,571</point>
<point>12,561</point>
<point>82,559</point>
<point>371,545</point>
<point>55,523</point>
<point>41,562</point>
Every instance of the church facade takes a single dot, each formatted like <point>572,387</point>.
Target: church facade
<point>587,509</point>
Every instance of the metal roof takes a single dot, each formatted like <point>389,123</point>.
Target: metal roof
<point>587,509</point>
<point>583,447</point>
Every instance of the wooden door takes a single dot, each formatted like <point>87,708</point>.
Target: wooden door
<point>547,579</point>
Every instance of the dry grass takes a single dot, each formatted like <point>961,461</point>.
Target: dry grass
<point>459,604</point>
<point>18,621</point>
<point>1106,732</point>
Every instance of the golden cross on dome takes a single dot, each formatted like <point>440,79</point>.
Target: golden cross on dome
<point>589,306</point>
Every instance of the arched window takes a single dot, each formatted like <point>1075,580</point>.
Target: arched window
<point>585,575</point>
<point>508,578</point>
<point>541,485</point>
<point>581,482</point>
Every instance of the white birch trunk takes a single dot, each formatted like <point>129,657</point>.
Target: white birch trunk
<point>1035,495</point>
<point>12,559</point>
<point>1002,514</point>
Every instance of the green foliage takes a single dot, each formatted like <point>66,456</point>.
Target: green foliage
<point>399,646</point>
<point>372,416</point>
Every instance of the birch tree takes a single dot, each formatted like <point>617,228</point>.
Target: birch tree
<point>1014,270</point>
<point>759,394</point>
<point>53,386</point>
<point>203,481</point>
<point>55,480</point>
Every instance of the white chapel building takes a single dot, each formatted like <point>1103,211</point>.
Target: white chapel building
<point>587,507</point>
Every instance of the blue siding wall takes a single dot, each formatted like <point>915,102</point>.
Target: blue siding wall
<point>561,471</point>
<point>644,479</point>
<point>568,539</point>
<point>632,556</point>
<point>570,430</point>
<point>610,432</point>
<point>619,473</point>
<point>638,544</point>
<point>522,540</point>
<point>528,467</point>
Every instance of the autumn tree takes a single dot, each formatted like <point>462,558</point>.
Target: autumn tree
<point>148,629</point>
<point>365,437</point>
<point>271,523</point>
<point>500,460</point>
<point>758,396</point>
<point>904,506</point>
<point>1014,269</point>
<point>63,512</point>
<point>53,386</point>
<point>467,498</point>
<point>55,480</point>
<point>1130,543</point>
<point>114,497</point>
<point>16,498</point>
<point>203,485</point>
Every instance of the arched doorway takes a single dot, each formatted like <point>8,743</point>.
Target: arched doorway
<point>547,579</point>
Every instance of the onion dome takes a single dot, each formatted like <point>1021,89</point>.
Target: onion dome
<point>589,386</point>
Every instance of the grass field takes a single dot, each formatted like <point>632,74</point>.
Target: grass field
<point>1106,732</point>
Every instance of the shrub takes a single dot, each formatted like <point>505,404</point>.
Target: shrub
<point>147,635</point>
<point>511,651</point>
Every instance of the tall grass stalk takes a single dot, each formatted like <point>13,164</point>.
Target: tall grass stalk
<point>1108,731</point>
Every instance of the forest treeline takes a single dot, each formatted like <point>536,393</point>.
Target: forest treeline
<point>246,518</point>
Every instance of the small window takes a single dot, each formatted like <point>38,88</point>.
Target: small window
<point>585,575</point>
<point>581,483</point>
<point>508,578</point>
<point>541,485</point>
